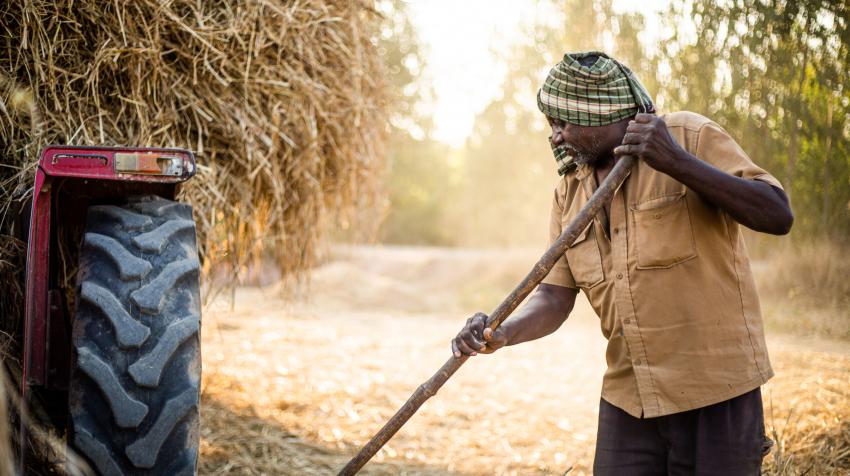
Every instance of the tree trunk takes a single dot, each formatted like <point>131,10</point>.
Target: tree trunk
<point>795,114</point>
<point>825,169</point>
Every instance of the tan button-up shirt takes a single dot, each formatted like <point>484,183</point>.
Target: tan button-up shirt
<point>671,284</point>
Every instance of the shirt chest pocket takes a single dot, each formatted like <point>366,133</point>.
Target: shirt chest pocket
<point>663,233</point>
<point>584,258</point>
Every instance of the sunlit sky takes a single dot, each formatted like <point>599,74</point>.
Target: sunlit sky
<point>462,40</point>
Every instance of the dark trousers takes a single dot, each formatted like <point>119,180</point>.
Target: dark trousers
<point>726,438</point>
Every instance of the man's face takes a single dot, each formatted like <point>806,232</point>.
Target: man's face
<point>587,144</point>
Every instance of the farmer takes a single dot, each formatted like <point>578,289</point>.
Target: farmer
<point>665,268</point>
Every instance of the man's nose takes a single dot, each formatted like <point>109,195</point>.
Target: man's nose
<point>557,136</point>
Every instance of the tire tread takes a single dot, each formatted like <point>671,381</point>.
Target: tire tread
<point>135,384</point>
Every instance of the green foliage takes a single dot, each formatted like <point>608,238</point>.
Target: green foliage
<point>774,75</point>
<point>419,183</point>
<point>509,172</point>
<point>420,186</point>
<point>398,46</point>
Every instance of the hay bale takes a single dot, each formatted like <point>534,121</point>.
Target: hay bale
<point>282,101</point>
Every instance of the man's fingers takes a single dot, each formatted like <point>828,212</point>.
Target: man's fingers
<point>488,334</point>
<point>626,149</point>
<point>644,118</point>
<point>470,339</point>
<point>464,348</point>
<point>479,320</point>
<point>630,149</point>
<point>637,127</point>
<point>633,138</point>
<point>477,328</point>
<point>472,327</point>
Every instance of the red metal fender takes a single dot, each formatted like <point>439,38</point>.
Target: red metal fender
<point>104,163</point>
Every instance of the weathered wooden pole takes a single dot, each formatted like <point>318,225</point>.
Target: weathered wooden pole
<point>600,197</point>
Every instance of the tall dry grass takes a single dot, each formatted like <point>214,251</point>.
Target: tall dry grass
<point>805,289</point>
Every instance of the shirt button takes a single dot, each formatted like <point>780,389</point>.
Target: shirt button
<point>657,216</point>
<point>627,321</point>
<point>619,275</point>
<point>616,230</point>
<point>637,361</point>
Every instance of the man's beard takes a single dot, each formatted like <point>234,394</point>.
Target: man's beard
<point>585,157</point>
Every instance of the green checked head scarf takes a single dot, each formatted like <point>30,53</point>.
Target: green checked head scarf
<point>596,95</point>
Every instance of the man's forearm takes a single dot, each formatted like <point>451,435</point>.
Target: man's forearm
<point>752,203</point>
<point>542,315</point>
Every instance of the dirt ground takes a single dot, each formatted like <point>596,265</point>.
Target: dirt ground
<point>295,387</point>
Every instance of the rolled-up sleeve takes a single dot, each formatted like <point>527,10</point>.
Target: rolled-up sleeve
<point>717,147</point>
<point>560,274</point>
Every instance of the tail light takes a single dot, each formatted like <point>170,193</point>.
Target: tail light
<point>148,163</point>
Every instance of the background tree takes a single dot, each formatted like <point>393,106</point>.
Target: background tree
<point>509,171</point>
<point>774,75</point>
<point>419,181</point>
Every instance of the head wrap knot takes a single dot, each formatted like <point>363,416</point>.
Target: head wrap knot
<point>596,95</point>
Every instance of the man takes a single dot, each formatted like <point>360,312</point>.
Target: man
<point>665,268</point>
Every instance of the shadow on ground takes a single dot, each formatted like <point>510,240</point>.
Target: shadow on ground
<point>266,447</point>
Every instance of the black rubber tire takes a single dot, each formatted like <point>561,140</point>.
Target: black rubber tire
<point>135,381</point>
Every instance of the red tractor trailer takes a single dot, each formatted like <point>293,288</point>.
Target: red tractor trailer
<point>111,356</point>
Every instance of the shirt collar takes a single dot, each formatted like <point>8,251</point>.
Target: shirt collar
<point>582,171</point>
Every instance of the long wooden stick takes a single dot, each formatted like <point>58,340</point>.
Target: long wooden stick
<point>600,197</point>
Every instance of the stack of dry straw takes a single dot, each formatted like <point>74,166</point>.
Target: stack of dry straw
<point>283,102</point>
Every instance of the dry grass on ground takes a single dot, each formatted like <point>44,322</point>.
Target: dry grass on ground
<point>296,389</point>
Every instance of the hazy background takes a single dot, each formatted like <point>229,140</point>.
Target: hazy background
<point>469,163</point>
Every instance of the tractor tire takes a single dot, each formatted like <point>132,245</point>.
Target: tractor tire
<point>136,371</point>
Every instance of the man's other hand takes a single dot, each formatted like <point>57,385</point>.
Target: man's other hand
<point>474,338</point>
<point>647,137</point>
